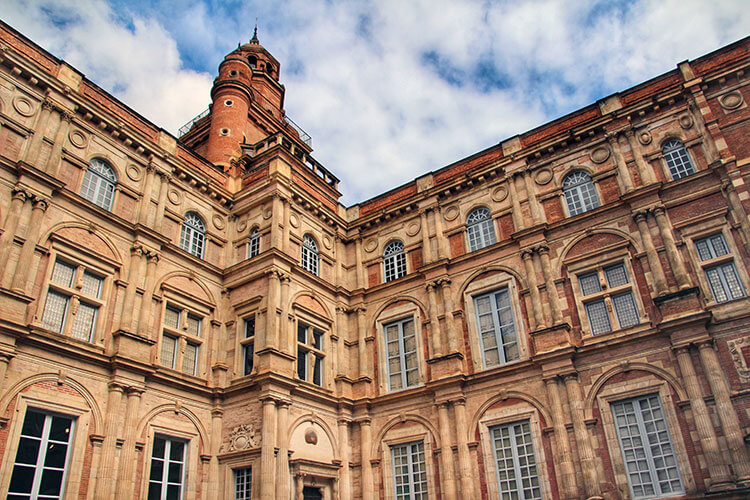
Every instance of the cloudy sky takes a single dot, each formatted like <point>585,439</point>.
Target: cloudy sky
<point>388,89</point>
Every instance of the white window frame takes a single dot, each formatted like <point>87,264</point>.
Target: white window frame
<point>253,244</point>
<point>243,489</point>
<point>99,183</point>
<point>580,192</point>
<point>310,352</point>
<point>480,229</point>
<point>310,255</point>
<point>44,442</point>
<point>394,261</point>
<point>517,468</point>
<point>399,324</point>
<point>497,327</point>
<point>677,159</point>
<point>163,482</point>
<point>74,296</point>
<point>724,263</point>
<point>193,234</point>
<point>182,336</point>
<point>411,466</point>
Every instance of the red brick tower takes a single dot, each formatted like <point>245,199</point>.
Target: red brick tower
<point>247,87</point>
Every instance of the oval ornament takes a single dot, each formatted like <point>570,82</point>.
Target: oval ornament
<point>600,154</point>
<point>686,120</point>
<point>174,197</point>
<point>370,245</point>
<point>543,176</point>
<point>450,213</point>
<point>23,106</point>
<point>294,220</point>
<point>242,224</point>
<point>644,137</point>
<point>78,138</point>
<point>133,172</point>
<point>218,221</point>
<point>731,100</point>
<point>267,213</point>
<point>499,193</point>
<point>413,228</point>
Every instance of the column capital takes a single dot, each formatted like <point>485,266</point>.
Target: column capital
<point>48,104</point>
<point>527,254</point>
<point>359,308</point>
<point>705,344</point>
<point>611,137</point>
<point>443,282</point>
<point>116,386</point>
<point>640,216</point>
<point>344,421</point>
<point>20,193</point>
<point>366,421</point>
<point>274,274</point>
<point>165,176</point>
<point>460,401</point>
<point>431,285</point>
<point>542,249</point>
<point>135,390</point>
<point>41,203</point>
<point>217,412</point>
<point>659,211</point>
<point>153,256</point>
<point>137,250</point>
<point>681,349</point>
<point>66,116</point>
<point>570,376</point>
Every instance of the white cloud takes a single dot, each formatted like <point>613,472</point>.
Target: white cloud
<point>380,116</point>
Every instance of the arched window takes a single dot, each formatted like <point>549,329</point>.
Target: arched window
<point>99,183</point>
<point>394,261</point>
<point>310,254</point>
<point>479,229</point>
<point>677,159</point>
<point>193,236</point>
<point>580,193</point>
<point>253,246</point>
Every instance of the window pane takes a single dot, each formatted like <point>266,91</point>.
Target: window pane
<point>194,325</point>
<point>190,359</point>
<point>91,285</point>
<point>84,322</point>
<point>318,371</point>
<point>62,274</point>
<point>172,318</point>
<point>248,355</point>
<point>55,308</point>
<point>302,363</point>
<point>732,280</point>
<point>627,314</point>
<point>677,159</point>
<point>590,283</point>
<point>168,349</point>
<point>497,327</point>
<point>242,483</point>
<point>616,276</point>
<point>714,277</point>
<point>598,317</point>
<point>515,462</point>
<point>250,327</point>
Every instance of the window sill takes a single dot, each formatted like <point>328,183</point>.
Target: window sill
<point>729,310</point>
<point>589,339</point>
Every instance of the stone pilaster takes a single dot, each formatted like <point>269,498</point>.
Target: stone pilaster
<point>674,256</point>
<point>145,202</point>
<point>364,365</point>
<point>537,214</point>
<point>563,456</point>
<point>267,459</point>
<point>447,472</point>
<point>660,281</point>
<point>126,469</point>
<point>162,203</point>
<point>53,163</point>
<point>624,179</point>
<point>426,254</point>
<point>134,274</point>
<point>442,249</point>
<point>10,226</point>
<point>450,324</point>
<point>644,169</point>
<point>144,319</point>
<point>365,432</point>
<point>345,481</point>
<point>436,342</point>
<point>464,456</point>
<point>106,479</point>
<point>35,145</point>
<point>583,438</point>
<point>26,257</point>
<point>536,299</point>
<point>282,469</point>
<point>516,213</point>
<point>549,284</point>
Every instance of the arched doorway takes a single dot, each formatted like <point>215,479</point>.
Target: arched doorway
<point>312,493</point>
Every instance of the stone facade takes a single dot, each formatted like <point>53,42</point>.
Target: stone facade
<point>213,297</point>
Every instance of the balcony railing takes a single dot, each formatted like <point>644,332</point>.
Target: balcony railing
<point>303,136</point>
<point>186,128</point>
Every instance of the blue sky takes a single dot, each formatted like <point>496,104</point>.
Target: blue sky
<point>388,89</point>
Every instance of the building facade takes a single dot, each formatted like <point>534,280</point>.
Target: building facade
<point>563,315</point>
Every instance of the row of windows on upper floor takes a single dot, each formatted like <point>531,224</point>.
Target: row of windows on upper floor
<point>578,189</point>
<point>606,296</point>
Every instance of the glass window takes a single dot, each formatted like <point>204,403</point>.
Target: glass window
<point>99,184</point>
<point>718,265</point>
<point>310,254</point>
<point>646,447</point>
<point>181,328</point>
<point>394,261</point>
<point>580,193</point>
<point>253,245</point>
<point>517,474</point>
<point>605,305</point>
<point>167,475</point>
<point>42,457</point>
<point>243,483</point>
<point>310,354</point>
<point>677,158</point>
<point>248,345</point>
<point>73,301</point>
<point>401,354</point>
<point>497,330</point>
<point>409,471</point>
<point>193,235</point>
<point>480,230</point>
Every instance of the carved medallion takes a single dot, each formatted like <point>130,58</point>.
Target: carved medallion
<point>242,437</point>
<point>242,224</point>
<point>731,100</point>
<point>294,220</point>
<point>644,137</point>
<point>327,242</point>
<point>23,105</point>
<point>739,349</point>
<point>174,196</point>
<point>311,437</point>
<point>450,213</point>
<point>78,138</point>
<point>543,176</point>
<point>133,172</point>
<point>499,193</point>
<point>218,221</point>
<point>370,245</point>
<point>686,120</point>
<point>600,154</point>
<point>413,228</point>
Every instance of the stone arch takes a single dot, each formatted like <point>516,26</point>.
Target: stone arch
<point>590,232</point>
<point>588,403</point>
<point>90,228</point>
<point>209,297</point>
<point>202,434</point>
<point>502,396</point>
<point>111,161</point>
<point>315,297</point>
<point>485,269</point>
<point>19,386</point>
<point>569,169</point>
<point>313,418</point>
<point>393,300</point>
<point>399,419</point>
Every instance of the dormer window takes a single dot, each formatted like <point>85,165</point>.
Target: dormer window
<point>253,62</point>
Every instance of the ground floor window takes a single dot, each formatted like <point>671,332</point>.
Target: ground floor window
<point>646,447</point>
<point>167,475</point>
<point>517,474</point>
<point>242,483</point>
<point>42,457</point>
<point>409,471</point>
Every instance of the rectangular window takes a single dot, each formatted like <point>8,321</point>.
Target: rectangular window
<point>42,457</point>
<point>497,330</point>
<point>517,473</point>
<point>409,471</point>
<point>181,329</point>
<point>604,305</point>
<point>718,265</point>
<point>310,354</point>
<point>167,475</point>
<point>248,345</point>
<point>401,353</point>
<point>242,483</point>
<point>646,447</point>
<point>73,301</point>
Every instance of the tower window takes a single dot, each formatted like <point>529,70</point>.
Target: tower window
<point>479,229</point>
<point>677,159</point>
<point>99,184</point>
<point>228,103</point>
<point>580,193</point>
<point>310,254</point>
<point>193,235</point>
<point>253,62</point>
<point>394,261</point>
